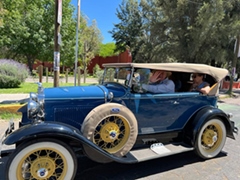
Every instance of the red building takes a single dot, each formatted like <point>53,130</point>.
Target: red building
<point>124,57</point>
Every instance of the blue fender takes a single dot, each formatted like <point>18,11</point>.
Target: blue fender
<point>206,114</point>
<point>41,129</point>
<point>58,130</point>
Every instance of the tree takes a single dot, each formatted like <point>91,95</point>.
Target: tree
<point>185,31</point>
<point>90,39</point>
<point>28,29</point>
<point>127,32</point>
<point>107,49</point>
<point>194,31</point>
<point>1,13</point>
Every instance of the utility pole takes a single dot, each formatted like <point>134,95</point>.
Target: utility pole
<point>234,64</point>
<point>76,51</point>
<point>57,41</point>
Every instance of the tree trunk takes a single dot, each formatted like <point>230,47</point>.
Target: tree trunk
<point>84,69</point>
<point>30,61</point>
<point>234,64</point>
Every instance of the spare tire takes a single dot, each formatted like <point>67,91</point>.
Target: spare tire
<point>111,126</point>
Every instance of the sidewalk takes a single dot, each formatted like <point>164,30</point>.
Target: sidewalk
<point>222,93</point>
<point>13,98</point>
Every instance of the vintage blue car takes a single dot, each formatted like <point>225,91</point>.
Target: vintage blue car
<point>118,120</point>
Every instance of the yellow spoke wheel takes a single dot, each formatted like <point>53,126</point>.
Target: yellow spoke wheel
<point>210,139</point>
<point>42,160</point>
<point>112,133</point>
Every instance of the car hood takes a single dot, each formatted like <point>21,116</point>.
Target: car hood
<point>75,92</point>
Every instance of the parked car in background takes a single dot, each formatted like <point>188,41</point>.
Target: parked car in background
<point>117,120</point>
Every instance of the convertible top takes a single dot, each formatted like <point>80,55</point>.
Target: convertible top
<point>217,73</point>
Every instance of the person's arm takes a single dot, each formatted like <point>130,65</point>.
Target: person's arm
<point>165,87</point>
<point>205,90</point>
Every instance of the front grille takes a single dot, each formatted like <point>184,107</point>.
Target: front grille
<point>72,115</point>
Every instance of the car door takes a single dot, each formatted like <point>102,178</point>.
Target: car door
<point>154,112</point>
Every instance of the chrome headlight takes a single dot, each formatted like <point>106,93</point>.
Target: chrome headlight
<point>35,106</point>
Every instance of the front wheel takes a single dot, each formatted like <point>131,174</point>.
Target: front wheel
<point>210,139</point>
<point>42,159</point>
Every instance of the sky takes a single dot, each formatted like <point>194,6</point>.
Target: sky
<point>103,11</point>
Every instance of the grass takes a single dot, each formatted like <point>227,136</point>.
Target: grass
<point>28,87</point>
<point>9,116</point>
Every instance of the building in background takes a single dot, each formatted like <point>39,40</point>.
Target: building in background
<point>124,57</point>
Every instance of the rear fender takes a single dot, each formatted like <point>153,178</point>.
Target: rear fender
<point>206,114</point>
<point>57,130</point>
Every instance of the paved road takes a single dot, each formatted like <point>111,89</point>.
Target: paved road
<point>185,166</point>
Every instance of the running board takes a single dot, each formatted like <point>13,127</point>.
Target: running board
<point>157,150</point>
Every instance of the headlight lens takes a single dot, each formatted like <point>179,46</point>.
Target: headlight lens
<point>35,106</point>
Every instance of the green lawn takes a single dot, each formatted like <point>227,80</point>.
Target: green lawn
<point>10,116</point>
<point>32,87</point>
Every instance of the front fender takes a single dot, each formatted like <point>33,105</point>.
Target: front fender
<point>24,120</point>
<point>58,130</point>
<point>41,129</point>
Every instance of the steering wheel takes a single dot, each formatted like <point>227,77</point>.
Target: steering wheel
<point>138,88</point>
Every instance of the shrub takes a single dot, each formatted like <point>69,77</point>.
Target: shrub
<point>12,73</point>
<point>96,68</point>
<point>99,75</point>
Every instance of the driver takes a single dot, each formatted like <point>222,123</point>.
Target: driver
<point>159,83</point>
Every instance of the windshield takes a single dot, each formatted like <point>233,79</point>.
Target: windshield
<point>124,75</point>
<point>119,75</point>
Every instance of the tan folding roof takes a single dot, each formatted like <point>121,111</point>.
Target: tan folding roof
<point>217,73</point>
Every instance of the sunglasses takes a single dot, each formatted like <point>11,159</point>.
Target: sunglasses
<point>194,76</point>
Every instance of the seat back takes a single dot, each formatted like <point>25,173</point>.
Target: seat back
<point>214,89</point>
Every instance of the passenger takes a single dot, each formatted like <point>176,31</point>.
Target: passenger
<point>199,84</point>
<point>159,83</point>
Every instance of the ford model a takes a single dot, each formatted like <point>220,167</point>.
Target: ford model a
<point>118,120</point>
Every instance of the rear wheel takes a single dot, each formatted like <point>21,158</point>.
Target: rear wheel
<point>43,159</point>
<point>112,127</point>
<point>210,139</point>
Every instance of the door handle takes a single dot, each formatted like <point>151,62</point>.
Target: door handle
<point>175,102</point>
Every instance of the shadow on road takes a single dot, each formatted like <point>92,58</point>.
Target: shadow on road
<point>88,169</point>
